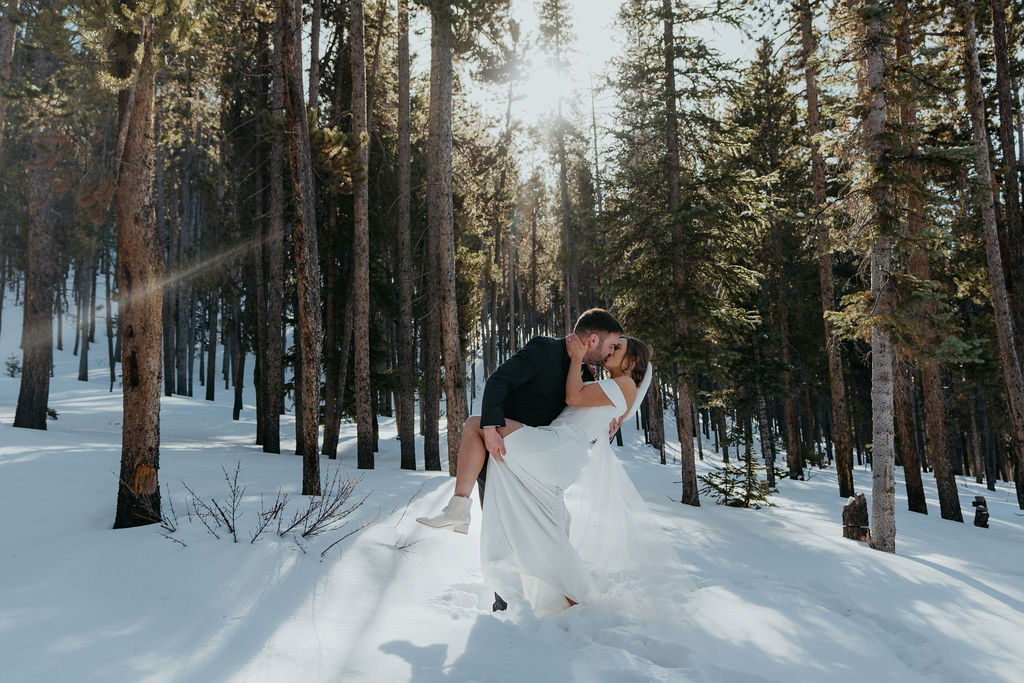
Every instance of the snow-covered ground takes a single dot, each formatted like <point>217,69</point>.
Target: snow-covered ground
<point>765,595</point>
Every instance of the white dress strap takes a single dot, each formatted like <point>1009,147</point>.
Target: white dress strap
<point>613,391</point>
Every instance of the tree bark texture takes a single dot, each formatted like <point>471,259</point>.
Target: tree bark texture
<point>443,225</point>
<point>140,275</point>
<point>85,305</point>
<point>909,454</point>
<point>406,379</point>
<point>8,31</point>
<point>935,408</point>
<point>307,260</point>
<point>684,407</point>
<point>883,519</point>
<point>361,245</point>
<point>273,252</point>
<point>837,383</point>
<point>211,345</point>
<point>684,423</point>
<point>37,330</point>
<point>1005,332</point>
<point>1014,230</point>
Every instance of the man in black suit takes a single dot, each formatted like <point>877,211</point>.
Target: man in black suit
<point>530,386</point>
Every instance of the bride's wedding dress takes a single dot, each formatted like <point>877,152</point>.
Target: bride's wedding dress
<point>528,547</point>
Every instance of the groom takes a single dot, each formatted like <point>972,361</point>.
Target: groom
<point>530,386</point>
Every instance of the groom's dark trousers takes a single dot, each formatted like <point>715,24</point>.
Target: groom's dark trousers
<point>528,387</point>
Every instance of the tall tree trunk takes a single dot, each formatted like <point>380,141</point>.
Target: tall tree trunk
<point>837,384</point>
<point>935,410</point>
<point>314,55</point>
<point>430,394</point>
<point>1005,332</point>
<point>140,276</point>
<point>656,418</point>
<point>406,352</point>
<point>1014,231</point>
<point>307,260</point>
<point>361,246</point>
<point>8,30</point>
<point>442,224</point>
<point>333,426</point>
<point>883,520</point>
<point>169,241</point>
<point>85,305</point>
<point>684,409</point>
<point>794,453</point>
<point>988,452</point>
<point>37,329</point>
<point>273,252</point>
<point>237,350</point>
<point>767,438</point>
<point>108,316</point>
<point>211,345</point>
<point>908,439</point>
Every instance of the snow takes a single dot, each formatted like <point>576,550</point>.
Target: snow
<point>767,595</point>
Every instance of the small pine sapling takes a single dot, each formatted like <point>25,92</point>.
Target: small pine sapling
<point>738,485</point>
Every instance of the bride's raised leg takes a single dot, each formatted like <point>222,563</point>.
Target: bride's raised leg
<point>472,454</point>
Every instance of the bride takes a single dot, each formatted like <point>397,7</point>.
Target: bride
<point>526,546</point>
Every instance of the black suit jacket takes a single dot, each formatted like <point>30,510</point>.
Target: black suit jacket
<point>529,386</point>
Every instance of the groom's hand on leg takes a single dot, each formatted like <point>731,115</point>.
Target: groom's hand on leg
<point>494,443</point>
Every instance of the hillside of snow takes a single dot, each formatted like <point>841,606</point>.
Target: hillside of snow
<point>764,595</point>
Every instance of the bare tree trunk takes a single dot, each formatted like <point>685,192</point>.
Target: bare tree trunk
<point>935,411</point>
<point>37,329</point>
<point>272,248</point>
<point>108,316</point>
<point>85,305</point>
<point>684,425</point>
<point>883,520</point>
<point>169,242</point>
<point>406,352</point>
<point>307,263</point>
<point>442,223</point>
<point>767,438</point>
<point>314,55</point>
<point>908,439</point>
<point>211,346</point>
<point>140,276</point>
<point>656,417</point>
<point>237,351</point>
<point>332,425</point>
<point>837,384</point>
<point>1005,332</point>
<point>684,408</point>
<point>988,452</point>
<point>794,454</point>
<point>430,394</point>
<point>1014,230</point>
<point>8,29</point>
<point>361,245</point>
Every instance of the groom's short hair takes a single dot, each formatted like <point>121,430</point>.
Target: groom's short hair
<point>597,320</point>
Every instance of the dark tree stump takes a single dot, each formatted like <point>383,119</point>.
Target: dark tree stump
<point>980,511</point>
<point>855,519</point>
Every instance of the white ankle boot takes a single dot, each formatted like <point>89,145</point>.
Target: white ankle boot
<point>455,513</point>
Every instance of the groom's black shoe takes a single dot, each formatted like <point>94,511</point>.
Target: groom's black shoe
<point>499,604</point>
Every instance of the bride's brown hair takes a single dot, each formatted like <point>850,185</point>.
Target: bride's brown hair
<point>638,357</point>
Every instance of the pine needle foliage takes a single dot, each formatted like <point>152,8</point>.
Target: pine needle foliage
<point>738,485</point>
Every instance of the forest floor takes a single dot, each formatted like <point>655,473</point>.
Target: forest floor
<point>766,595</point>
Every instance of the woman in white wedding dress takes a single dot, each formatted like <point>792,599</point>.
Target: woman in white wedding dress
<point>526,548</point>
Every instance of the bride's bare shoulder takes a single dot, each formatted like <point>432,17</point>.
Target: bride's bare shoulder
<point>628,387</point>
